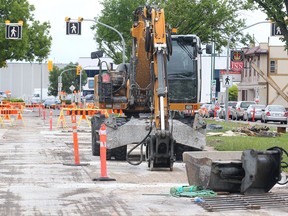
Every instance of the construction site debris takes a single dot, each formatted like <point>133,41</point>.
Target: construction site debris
<point>214,127</point>
<point>247,131</point>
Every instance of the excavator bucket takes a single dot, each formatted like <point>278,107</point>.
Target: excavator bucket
<point>247,172</point>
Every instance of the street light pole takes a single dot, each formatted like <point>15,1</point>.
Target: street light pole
<point>60,79</point>
<point>110,27</point>
<point>227,65</point>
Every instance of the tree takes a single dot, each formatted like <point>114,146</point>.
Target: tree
<point>108,40</point>
<point>69,78</point>
<point>36,41</point>
<point>277,11</point>
<point>211,20</point>
<point>233,93</point>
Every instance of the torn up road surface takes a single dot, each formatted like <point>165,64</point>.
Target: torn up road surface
<point>34,180</point>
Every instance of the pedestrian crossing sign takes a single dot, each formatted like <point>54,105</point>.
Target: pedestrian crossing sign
<point>227,81</point>
<point>13,31</point>
<point>73,28</point>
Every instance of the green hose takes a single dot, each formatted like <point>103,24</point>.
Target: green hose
<point>191,191</point>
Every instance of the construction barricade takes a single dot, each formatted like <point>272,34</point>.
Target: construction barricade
<point>5,115</point>
<point>84,114</point>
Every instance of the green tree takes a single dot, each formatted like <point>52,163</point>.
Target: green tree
<point>277,11</point>
<point>69,78</point>
<point>233,93</point>
<point>36,41</point>
<point>117,14</point>
<point>211,20</point>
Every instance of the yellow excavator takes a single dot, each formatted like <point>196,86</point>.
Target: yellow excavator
<point>158,93</point>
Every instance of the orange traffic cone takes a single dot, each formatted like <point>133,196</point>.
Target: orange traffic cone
<point>76,145</point>
<point>103,139</point>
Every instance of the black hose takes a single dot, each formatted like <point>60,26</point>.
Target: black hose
<point>141,150</point>
<point>283,163</point>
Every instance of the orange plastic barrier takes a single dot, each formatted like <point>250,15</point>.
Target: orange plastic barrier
<point>5,113</point>
<point>17,105</point>
<point>34,106</point>
<point>81,112</point>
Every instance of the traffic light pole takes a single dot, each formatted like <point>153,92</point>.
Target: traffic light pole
<point>107,26</point>
<point>60,79</point>
<point>227,65</point>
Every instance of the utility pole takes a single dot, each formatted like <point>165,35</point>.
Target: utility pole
<point>227,65</point>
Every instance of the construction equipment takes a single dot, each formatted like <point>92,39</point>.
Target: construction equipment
<point>158,91</point>
<point>248,172</point>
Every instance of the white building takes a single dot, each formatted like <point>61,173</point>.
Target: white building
<point>22,78</point>
<point>265,76</point>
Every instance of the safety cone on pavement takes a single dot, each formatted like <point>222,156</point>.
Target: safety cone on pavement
<point>75,144</point>
<point>103,139</point>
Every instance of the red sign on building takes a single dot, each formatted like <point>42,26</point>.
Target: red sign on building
<point>230,72</point>
<point>237,66</point>
<point>237,60</point>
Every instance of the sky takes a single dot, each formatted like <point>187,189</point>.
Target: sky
<point>68,48</point>
<point>261,31</point>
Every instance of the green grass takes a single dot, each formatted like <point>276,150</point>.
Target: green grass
<point>240,143</point>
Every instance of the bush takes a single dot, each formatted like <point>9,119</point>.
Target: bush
<point>14,100</point>
<point>67,102</point>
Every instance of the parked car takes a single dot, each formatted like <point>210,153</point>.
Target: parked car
<point>89,98</point>
<point>241,106</point>
<point>275,113</point>
<point>257,108</point>
<point>52,103</point>
<point>204,110</point>
<point>219,111</point>
<point>2,96</point>
<point>211,110</point>
<point>231,105</point>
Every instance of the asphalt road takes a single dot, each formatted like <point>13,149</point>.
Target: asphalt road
<point>35,180</point>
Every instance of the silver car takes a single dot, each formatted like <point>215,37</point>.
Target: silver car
<point>231,105</point>
<point>255,110</point>
<point>241,106</point>
<point>275,113</point>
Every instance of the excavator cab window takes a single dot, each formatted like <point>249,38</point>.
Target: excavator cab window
<point>182,69</point>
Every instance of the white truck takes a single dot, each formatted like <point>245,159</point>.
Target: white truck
<point>36,98</point>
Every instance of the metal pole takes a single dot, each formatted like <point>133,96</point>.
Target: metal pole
<point>80,82</point>
<point>110,27</point>
<point>211,86</point>
<point>227,65</point>
<point>212,72</point>
<point>41,92</point>
<point>60,77</point>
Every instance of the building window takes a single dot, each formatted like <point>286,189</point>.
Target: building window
<point>273,66</point>
<point>90,84</point>
<point>244,95</point>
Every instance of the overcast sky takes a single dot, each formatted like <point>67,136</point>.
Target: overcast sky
<point>68,48</point>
